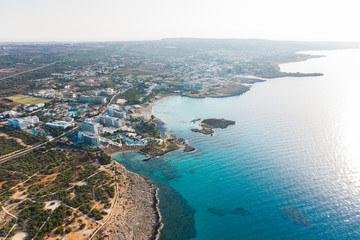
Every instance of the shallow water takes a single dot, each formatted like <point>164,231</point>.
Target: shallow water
<point>295,144</point>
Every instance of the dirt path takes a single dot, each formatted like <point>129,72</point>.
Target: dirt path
<point>134,215</point>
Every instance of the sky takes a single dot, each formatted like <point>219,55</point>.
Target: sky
<point>124,20</point>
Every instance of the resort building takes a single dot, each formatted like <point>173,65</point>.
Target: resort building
<point>69,94</point>
<point>60,124</point>
<point>91,127</point>
<point>197,86</point>
<point>108,121</point>
<point>11,113</point>
<point>105,92</point>
<point>90,138</point>
<point>40,105</point>
<point>23,122</point>
<point>93,99</point>
<point>114,111</point>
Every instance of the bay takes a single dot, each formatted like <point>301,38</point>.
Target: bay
<point>295,145</point>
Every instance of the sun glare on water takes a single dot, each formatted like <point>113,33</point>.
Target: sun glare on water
<point>349,129</point>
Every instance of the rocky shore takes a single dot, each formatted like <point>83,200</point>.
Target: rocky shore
<point>232,89</point>
<point>136,214</point>
<point>188,148</point>
<point>152,155</point>
<point>207,125</point>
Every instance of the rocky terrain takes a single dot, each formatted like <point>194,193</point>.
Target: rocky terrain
<point>135,214</point>
<point>207,125</point>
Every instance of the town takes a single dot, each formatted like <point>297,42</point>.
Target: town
<point>65,108</point>
<point>105,99</point>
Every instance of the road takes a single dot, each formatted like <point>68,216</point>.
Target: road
<point>2,160</point>
<point>113,98</point>
<point>44,66</point>
<point>110,102</point>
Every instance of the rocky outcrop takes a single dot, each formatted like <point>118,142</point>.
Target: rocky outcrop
<point>207,125</point>
<point>188,148</point>
<point>136,214</point>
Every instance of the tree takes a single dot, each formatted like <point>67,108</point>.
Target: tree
<point>60,230</point>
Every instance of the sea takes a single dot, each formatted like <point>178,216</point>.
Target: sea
<point>288,169</point>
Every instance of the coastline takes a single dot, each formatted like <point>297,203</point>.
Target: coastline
<point>160,225</point>
<point>136,214</point>
<point>147,109</point>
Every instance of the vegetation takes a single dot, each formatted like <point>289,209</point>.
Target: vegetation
<point>49,175</point>
<point>147,129</point>
<point>86,208</point>
<point>56,219</point>
<point>9,145</point>
<point>96,214</point>
<point>153,148</point>
<point>5,107</point>
<point>104,159</point>
<point>132,95</point>
<point>39,160</point>
<point>24,136</point>
<point>6,228</point>
<point>22,82</point>
<point>55,132</point>
<point>32,216</point>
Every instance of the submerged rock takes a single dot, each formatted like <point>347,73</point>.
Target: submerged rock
<point>217,211</point>
<point>222,212</point>
<point>240,211</point>
<point>295,215</point>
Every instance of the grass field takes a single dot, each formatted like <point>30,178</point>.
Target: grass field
<point>25,99</point>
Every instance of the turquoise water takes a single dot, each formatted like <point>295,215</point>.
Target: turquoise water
<point>295,143</point>
<point>73,113</point>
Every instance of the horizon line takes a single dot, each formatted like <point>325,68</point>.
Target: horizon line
<point>161,39</point>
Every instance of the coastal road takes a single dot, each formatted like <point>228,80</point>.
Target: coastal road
<point>5,159</point>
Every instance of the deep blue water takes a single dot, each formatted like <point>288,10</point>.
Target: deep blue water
<point>296,141</point>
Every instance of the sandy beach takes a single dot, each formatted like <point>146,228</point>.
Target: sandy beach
<point>146,109</point>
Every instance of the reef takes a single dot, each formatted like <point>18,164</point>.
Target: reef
<point>222,212</point>
<point>295,215</point>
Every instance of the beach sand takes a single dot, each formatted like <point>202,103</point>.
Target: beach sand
<point>146,109</point>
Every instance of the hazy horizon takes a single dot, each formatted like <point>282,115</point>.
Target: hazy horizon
<point>140,20</point>
<point>160,39</point>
